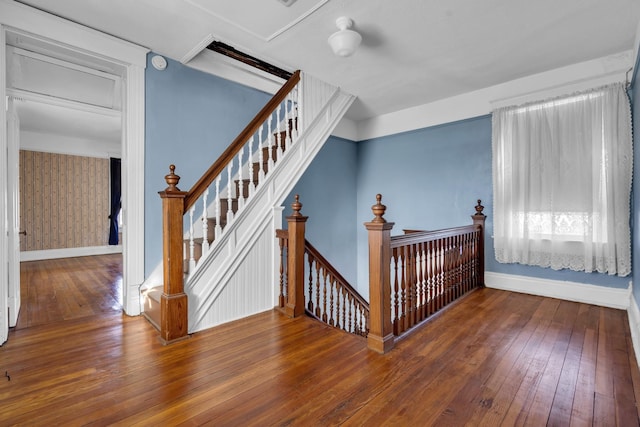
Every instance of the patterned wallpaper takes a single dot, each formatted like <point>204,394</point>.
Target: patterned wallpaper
<point>64,201</point>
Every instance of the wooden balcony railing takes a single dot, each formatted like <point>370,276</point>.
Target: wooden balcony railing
<point>327,295</point>
<point>411,277</point>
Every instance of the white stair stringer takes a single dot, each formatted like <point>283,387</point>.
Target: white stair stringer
<point>238,277</point>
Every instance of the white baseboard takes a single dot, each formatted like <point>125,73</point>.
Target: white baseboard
<point>570,291</point>
<point>69,252</point>
<point>634,325</point>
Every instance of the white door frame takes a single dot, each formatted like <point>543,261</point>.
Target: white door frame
<point>15,16</point>
<point>4,220</point>
<point>13,211</point>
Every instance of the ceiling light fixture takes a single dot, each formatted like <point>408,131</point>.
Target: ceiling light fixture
<point>346,41</point>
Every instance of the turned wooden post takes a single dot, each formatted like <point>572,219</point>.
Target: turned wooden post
<point>295,261</point>
<point>173,302</point>
<point>380,336</point>
<point>479,219</point>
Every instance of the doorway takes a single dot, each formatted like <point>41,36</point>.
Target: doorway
<point>65,121</point>
<point>68,41</point>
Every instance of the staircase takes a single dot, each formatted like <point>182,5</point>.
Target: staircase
<point>230,253</point>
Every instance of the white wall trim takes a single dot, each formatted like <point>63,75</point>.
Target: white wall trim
<point>197,48</point>
<point>479,103</point>
<point>227,68</point>
<point>634,327</point>
<point>133,192</point>
<point>4,191</point>
<point>570,291</point>
<point>69,252</point>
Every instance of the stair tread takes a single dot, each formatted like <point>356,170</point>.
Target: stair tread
<point>154,293</point>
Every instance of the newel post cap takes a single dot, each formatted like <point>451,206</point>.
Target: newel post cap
<point>378,210</point>
<point>296,206</point>
<point>172,179</point>
<point>296,216</point>
<point>479,208</point>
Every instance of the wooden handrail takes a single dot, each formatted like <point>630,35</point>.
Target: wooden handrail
<point>426,236</point>
<point>227,156</point>
<point>309,248</point>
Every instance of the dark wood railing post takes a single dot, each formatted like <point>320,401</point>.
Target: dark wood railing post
<point>380,336</point>
<point>479,219</point>
<point>173,302</point>
<point>295,261</point>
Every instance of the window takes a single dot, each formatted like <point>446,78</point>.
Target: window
<point>562,181</point>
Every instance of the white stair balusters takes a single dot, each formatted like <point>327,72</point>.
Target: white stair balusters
<point>288,121</point>
<point>299,111</point>
<point>279,132</point>
<point>250,163</point>
<point>192,259</point>
<point>218,230</point>
<point>240,187</point>
<point>269,143</point>
<point>205,223</point>
<point>261,152</point>
<point>229,192</point>
<point>236,195</point>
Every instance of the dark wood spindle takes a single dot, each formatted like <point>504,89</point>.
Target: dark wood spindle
<point>310,303</point>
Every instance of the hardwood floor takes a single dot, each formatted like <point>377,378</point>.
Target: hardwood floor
<point>69,288</point>
<point>494,358</point>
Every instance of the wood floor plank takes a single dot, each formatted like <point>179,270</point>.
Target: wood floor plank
<point>502,387</point>
<point>494,358</point>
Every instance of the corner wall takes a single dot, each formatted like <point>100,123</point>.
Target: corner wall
<point>328,195</point>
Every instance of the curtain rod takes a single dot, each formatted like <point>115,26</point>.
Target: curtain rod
<point>617,76</point>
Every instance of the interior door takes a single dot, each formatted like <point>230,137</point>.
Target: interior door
<point>13,210</point>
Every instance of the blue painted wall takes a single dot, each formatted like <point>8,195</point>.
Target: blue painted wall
<point>327,192</point>
<point>429,179</point>
<point>191,117</point>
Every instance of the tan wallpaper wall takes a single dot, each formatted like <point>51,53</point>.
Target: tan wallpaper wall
<point>64,201</point>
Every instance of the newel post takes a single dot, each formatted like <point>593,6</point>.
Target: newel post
<point>173,302</point>
<point>380,336</point>
<point>479,219</point>
<point>295,261</point>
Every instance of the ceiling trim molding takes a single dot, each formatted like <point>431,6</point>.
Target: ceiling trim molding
<point>481,102</point>
<point>197,49</point>
<point>227,68</point>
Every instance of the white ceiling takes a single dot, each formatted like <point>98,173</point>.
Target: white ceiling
<point>413,51</point>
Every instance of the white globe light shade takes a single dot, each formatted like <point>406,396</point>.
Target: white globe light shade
<point>346,41</point>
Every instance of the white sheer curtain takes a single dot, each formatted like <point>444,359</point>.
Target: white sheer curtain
<point>562,181</point>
